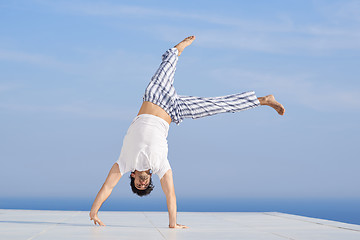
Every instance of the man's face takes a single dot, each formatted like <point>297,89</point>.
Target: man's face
<point>142,179</point>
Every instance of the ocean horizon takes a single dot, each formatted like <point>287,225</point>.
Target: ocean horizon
<point>342,210</point>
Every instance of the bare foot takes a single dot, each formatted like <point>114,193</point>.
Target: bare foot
<point>270,101</point>
<point>184,43</point>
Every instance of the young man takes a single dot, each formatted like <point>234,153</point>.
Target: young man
<point>145,148</point>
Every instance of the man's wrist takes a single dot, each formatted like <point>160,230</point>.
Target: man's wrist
<point>93,212</point>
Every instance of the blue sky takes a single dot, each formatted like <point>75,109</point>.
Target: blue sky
<point>72,76</point>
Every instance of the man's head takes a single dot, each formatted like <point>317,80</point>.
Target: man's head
<point>141,183</point>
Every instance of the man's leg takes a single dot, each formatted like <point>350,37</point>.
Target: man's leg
<point>163,79</point>
<point>160,91</point>
<point>197,107</point>
<point>161,83</point>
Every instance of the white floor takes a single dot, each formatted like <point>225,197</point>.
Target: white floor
<point>52,225</point>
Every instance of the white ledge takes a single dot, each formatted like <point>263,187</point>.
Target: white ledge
<point>39,224</point>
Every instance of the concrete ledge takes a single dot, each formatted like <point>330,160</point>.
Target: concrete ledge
<point>36,224</point>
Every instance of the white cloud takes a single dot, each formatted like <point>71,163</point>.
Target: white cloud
<point>301,89</point>
<point>32,58</point>
<point>313,40</point>
<point>346,9</point>
<point>94,65</point>
<point>280,34</point>
<point>74,109</point>
<point>5,87</point>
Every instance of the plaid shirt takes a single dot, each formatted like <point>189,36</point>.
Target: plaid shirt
<point>161,92</point>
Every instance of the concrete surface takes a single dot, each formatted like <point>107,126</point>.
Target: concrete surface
<point>53,225</point>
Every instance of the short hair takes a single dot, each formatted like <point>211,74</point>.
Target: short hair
<point>141,193</point>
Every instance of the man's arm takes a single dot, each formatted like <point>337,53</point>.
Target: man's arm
<point>167,185</point>
<point>105,191</point>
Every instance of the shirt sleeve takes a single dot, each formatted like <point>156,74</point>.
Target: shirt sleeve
<point>164,168</point>
<point>122,168</point>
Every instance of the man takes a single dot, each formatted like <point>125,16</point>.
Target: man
<point>145,148</point>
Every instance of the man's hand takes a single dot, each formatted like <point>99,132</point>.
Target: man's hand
<point>105,191</point>
<point>178,226</point>
<point>96,219</point>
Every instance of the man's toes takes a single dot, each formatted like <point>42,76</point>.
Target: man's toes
<point>281,110</point>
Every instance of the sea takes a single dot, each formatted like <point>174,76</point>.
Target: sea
<point>341,210</point>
